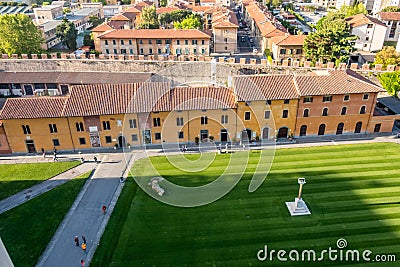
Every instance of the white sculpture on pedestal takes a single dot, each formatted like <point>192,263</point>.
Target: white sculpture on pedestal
<point>298,207</point>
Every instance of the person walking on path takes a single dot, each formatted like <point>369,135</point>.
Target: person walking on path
<point>43,153</point>
<point>84,239</point>
<point>82,263</point>
<point>83,246</point>
<point>76,239</point>
<point>95,159</point>
<point>104,208</point>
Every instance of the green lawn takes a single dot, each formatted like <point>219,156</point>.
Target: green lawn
<point>353,192</point>
<point>27,229</point>
<point>16,177</point>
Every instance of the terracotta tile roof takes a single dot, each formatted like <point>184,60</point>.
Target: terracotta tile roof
<point>102,28</point>
<point>119,17</point>
<point>139,6</point>
<point>33,108</point>
<point>154,34</point>
<point>224,19</point>
<point>198,98</point>
<point>166,9</point>
<point>362,19</point>
<point>265,87</point>
<point>116,24</point>
<point>152,96</point>
<point>73,77</point>
<point>333,83</point>
<point>132,10</point>
<point>289,40</point>
<point>389,16</point>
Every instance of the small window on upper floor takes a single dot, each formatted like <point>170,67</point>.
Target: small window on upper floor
<point>286,101</point>
<point>365,96</point>
<point>346,98</point>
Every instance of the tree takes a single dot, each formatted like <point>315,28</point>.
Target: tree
<point>331,42</point>
<point>387,56</point>
<point>67,32</point>
<point>149,18</point>
<point>391,9</point>
<point>391,82</point>
<point>18,35</point>
<point>191,22</point>
<point>66,10</point>
<point>95,21</point>
<point>88,40</point>
<point>349,11</point>
<point>276,3</point>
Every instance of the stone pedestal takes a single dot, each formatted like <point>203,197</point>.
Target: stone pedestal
<point>298,207</point>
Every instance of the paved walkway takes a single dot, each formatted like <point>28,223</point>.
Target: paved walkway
<point>38,189</point>
<point>85,216</point>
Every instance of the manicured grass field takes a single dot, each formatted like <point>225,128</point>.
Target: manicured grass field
<point>27,229</point>
<point>16,177</point>
<point>353,192</point>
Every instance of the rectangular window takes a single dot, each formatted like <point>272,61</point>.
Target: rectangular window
<point>167,41</point>
<point>130,42</point>
<point>283,51</point>
<point>346,98</point>
<point>114,42</point>
<point>157,136</point>
<point>285,113</point>
<point>299,51</point>
<point>186,42</point>
<point>178,42</point>
<point>203,51</point>
<point>202,42</point>
<point>56,142</point>
<point>106,125</point>
<point>131,51</point>
<point>179,121</point>
<point>194,42</point>
<point>180,135</point>
<point>82,141</point>
<point>377,128</point>
<point>150,51</point>
<point>140,41</point>
<point>224,119</point>
<point>286,101</point>
<point>203,120</point>
<point>159,51</point>
<point>225,40</point>
<point>134,137</point>
<point>267,114</point>
<point>26,129</point>
<point>106,42</point>
<point>132,123</point>
<point>108,139</point>
<point>369,26</point>
<point>156,122</point>
<point>53,128</point>
<point>308,99</point>
<point>79,127</point>
<point>115,51</point>
<point>365,96</point>
<point>141,51</point>
<point>150,42</point>
<point>268,102</point>
<point>247,116</point>
<point>122,42</point>
<point>327,98</point>
<point>158,41</point>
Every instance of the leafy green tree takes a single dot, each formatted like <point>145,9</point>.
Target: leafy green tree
<point>165,18</point>
<point>18,35</point>
<point>349,11</point>
<point>191,22</point>
<point>66,10</point>
<point>95,21</point>
<point>149,18</point>
<point>276,3</point>
<point>179,15</point>
<point>331,42</point>
<point>163,3</point>
<point>391,82</point>
<point>391,9</point>
<point>67,32</point>
<point>387,56</point>
<point>88,40</point>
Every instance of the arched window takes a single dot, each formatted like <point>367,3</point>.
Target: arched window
<point>303,130</point>
<point>339,129</point>
<point>306,112</point>
<point>358,127</point>
<point>362,110</point>
<point>325,112</point>
<point>344,111</point>
<point>321,129</point>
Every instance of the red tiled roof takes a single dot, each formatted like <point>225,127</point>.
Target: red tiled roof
<point>333,83</point>
<point>389,16</point>
<point>198,98</point>
<point>33,108</point>
<point>120,17</point>
<point>362,19</point>
<point>154,34</point>
<point>102,28</point>
<point>265,87</point>
<point>132,10</point>
<point>289,40</point>
<point>107,99</point>
<point>166,9</point>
